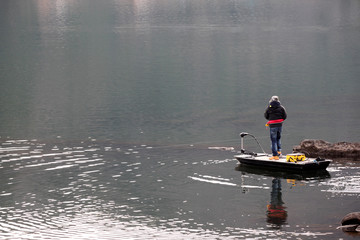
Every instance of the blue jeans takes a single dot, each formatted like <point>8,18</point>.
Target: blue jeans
<point>275,135</point>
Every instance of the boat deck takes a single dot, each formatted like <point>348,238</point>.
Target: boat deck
<point>282,159</point>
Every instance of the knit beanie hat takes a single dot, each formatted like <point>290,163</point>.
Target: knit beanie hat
<point>274,99</point>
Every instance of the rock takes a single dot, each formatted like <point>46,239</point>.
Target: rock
<point>351,222</point>
<point>321,148</point>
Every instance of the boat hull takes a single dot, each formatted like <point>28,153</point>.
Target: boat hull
<point>310,164</point>
<point>279,173</point>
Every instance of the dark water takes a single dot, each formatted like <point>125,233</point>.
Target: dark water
<point>108,109</point>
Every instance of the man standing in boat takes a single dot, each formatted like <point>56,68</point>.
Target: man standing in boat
<point>276,114</point>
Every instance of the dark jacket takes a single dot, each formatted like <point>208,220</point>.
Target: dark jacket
<point>274,112</point>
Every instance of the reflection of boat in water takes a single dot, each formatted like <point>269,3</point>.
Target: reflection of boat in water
<point>276,211</point>
<point>315,174</point>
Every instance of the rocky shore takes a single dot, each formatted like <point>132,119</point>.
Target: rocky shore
<point>321,148</point>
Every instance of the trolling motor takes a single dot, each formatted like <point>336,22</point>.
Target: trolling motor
<point>242,135</point>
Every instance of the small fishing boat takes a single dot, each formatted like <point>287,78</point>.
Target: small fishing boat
<point>262,160</point>
<point>290,162</point>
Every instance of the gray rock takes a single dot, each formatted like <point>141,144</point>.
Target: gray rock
<point>321,148</point>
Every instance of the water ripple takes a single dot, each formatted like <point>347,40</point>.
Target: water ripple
<point>90,190</point>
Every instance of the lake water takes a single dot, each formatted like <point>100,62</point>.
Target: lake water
<point>108,110</point>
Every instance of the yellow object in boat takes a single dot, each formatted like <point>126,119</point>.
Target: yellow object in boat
<point>295,157</point>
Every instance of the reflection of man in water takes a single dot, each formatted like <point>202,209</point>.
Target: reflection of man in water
<point>276,213</point>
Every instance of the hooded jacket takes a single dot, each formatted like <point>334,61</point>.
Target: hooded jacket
<point>275,111</point>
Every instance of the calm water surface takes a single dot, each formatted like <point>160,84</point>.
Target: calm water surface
<point>108,109</point>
